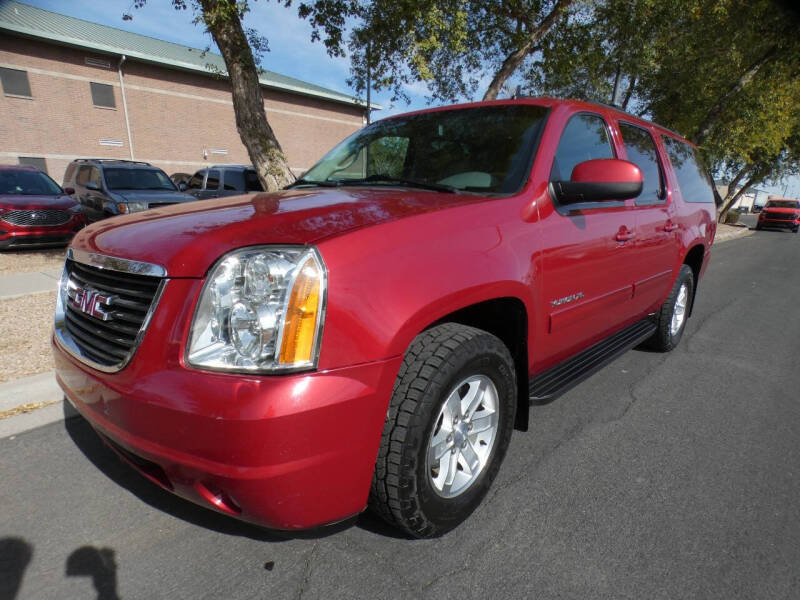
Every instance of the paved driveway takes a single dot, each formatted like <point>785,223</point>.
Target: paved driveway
<point>663,476</point>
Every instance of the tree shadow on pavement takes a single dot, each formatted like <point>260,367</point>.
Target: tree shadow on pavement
<point>92,446</point>
<point>100,565</point>
<point>15,555</point>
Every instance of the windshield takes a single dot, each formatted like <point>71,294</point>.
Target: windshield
<point>27,183</point>
<point>138,179</point>
<point>782,204</point>
<point>485,150</point>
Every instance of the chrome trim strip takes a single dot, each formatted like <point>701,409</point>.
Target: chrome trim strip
<point>124,265</point>
<point>66,343</point>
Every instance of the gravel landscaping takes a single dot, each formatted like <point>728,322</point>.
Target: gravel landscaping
<point>25,261</point>
<point>25,328</point>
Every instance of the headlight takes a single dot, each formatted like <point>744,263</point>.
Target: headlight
<point>129,207</point>
<point>260,310</point>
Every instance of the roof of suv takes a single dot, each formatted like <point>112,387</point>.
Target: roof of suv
<point>116,162</point>
<point>549,102</point>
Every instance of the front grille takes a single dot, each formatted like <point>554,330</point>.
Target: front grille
<point>106,311</point>
<point>36,217</point>
<point>779,216</point>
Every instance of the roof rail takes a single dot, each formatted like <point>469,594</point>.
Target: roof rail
<point>113,160</point>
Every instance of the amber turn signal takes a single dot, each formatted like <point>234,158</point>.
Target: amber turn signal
<point>300,324</point>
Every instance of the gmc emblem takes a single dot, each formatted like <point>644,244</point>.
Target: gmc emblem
<point>89,301</point>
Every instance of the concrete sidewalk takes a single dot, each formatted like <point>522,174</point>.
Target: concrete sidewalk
<point>30,402</point>
<point>16,285</point>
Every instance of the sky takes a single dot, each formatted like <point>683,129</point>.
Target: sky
<point>291,50</point>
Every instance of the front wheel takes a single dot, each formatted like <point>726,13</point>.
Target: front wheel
<point>447,429</point>
<point>671,317</point>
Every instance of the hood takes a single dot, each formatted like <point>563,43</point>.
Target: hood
<point>154,196</point>
<point>188,238</point>
<point>25,201</point>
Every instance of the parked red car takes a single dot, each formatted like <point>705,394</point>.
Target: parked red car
<point>372,335</point>
<point>34,210</point>
<point>782,213</point>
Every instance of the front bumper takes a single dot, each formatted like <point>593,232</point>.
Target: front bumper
<point>285,451</point>
<point>13,236</point>
<point>781,223</point>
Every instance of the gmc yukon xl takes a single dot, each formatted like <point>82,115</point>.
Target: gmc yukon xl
<point>371,335</point>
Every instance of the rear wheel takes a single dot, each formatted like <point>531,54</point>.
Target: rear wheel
<point>671,317</point>
<point>447,429</point>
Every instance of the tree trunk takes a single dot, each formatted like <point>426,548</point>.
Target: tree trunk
<point>629,93</point>
<point>731,197</point>
<point>514,60</point>
<point>716,111</point>
<point>222,20</point>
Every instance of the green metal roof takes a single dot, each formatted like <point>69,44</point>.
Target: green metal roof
<point>60,29</point>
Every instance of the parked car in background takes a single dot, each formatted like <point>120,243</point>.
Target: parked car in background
<point>34,210</point>
<point>224,180</point>
<point>372,334</point>
<point>180,178</point>
<point>757,208</point>
<point>780,213</point>
<point>107,187</point>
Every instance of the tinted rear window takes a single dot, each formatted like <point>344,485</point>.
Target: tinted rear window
<point>251,182</point>
<point>692,176</point>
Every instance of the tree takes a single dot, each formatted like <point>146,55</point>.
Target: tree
<point>452,47</point>
<point>722,72</point>
<point>223,20</point>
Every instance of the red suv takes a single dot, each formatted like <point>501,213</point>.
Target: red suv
<point>780,213</point>
<point>372,335</point>
<point>34,210</point>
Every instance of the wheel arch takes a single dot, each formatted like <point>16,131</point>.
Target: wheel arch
<point>507,319</point>
<point>694,260</point>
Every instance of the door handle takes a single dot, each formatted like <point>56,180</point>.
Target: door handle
<point>669,226</point>
<point>623,235</point>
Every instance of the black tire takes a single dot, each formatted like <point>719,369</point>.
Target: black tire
<point>403,490</point>
<point>664,339</point>
<point>758,227</point>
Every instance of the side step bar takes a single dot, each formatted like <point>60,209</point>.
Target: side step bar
<point>558,379</point>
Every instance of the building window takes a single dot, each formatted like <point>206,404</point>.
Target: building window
<point>15,82</point>
<point>96,62</point>
<point>103,95</point>
<point>34,161</point>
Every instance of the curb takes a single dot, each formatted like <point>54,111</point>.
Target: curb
<point>40,389</point>
<point>735,235</point>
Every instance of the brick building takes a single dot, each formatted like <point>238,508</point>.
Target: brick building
<point>75,89</point>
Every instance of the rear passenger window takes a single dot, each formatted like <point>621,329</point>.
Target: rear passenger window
<point>585,138</point>
<point>692,176</point>
<point>642,152</point>
<point>196,182</point>
<point>251,182</point>
<point>212,183</point>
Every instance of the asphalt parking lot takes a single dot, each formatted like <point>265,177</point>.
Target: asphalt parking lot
<point>662,476</point>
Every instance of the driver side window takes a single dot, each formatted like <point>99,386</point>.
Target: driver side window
<point>584,138</point>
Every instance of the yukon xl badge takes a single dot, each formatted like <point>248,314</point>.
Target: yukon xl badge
<point>566,299</point>
<point>90,302</point>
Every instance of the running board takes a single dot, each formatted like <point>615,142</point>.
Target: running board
<point>558,379</point>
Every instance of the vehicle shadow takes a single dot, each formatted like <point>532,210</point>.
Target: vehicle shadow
<point>100,565</point>
<point>91,445</point>
<point>15,555</point>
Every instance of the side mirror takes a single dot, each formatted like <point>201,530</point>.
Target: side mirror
<point>600,180</point>
<point>69,191</point>
<point>182,186</point>
<point>91,185</point>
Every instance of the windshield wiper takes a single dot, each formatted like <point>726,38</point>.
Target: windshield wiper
<point>388,179</point>
<point>325,183</point>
